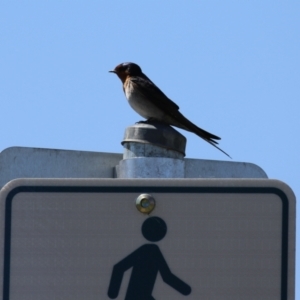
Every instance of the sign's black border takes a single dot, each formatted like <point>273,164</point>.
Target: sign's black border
<point>148,189</point>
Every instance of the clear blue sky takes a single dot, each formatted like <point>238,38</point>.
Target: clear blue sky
<point>231,66</point>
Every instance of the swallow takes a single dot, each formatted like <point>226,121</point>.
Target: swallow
<point>153,105</point>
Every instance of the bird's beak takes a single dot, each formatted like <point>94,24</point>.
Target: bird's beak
<point>112,71</point>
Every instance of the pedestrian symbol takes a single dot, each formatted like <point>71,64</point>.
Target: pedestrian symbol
<point>146,262</point>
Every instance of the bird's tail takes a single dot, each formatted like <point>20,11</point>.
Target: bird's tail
<point>212,143</point>
<point>184,123</point>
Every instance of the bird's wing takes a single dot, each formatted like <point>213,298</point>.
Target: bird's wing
<point>153,93</point>
<point>158,98</point>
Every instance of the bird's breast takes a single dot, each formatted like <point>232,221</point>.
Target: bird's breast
<point>141,104</point>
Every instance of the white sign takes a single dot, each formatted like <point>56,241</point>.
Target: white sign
<point>204,239</point>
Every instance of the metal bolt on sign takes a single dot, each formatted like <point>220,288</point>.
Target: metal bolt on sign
<point>145,203</point>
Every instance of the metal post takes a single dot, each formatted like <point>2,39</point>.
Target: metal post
<point>152,150</point>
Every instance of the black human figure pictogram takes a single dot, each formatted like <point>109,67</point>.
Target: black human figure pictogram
<point>146,262</point>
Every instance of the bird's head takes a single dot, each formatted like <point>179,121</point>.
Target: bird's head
<point>126,69</point>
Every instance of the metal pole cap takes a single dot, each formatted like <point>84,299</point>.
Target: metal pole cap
<point>157,134</point>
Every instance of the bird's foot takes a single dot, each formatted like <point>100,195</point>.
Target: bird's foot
<point>142,122</point>
<point>152,121</point>
<point>148,121</point>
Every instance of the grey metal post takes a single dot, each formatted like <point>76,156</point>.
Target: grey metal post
<point>152,150</point>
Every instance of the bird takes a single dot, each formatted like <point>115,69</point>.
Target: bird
<point>153,105</point>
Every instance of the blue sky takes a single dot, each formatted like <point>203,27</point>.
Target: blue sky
<point>231,66</point>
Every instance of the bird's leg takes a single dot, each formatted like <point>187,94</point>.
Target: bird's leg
<point>154,122</point>
<point>142,122</point>
<point>148,121</point>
